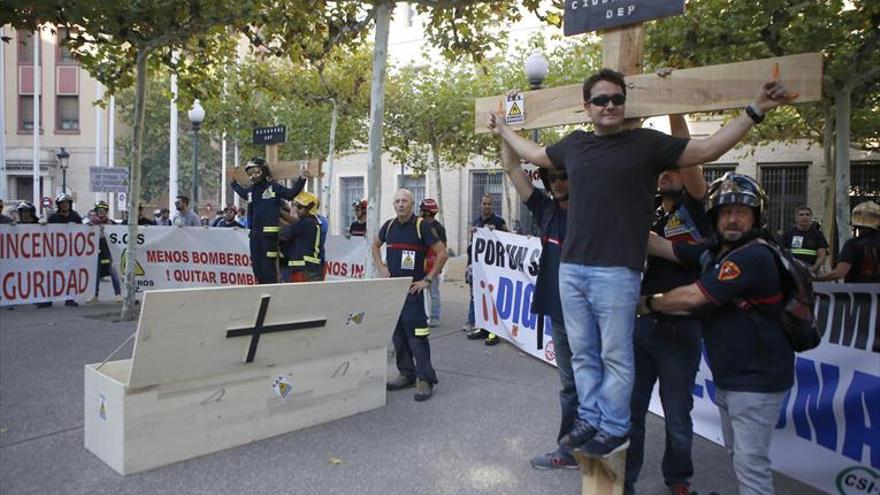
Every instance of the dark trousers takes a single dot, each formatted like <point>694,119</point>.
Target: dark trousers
<point>411,341</point>
<point>264,258</point>
<point>668,349</point>
<point>568,397</point>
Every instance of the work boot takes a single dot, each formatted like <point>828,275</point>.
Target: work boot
<point>477,334</point>
<point>492,339</point>
<point>424,390</point>
<point>399,383</point>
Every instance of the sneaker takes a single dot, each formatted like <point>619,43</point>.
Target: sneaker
<point>424,390</point>
<point>117,298</point>
<point>71,303</point>
<point>554,460</point>
<point>477,334</point>
<point>467,327</point>
<point>399,383</point>
<point>92,300</point>
<point>679,489</point>
<point>492,339</point>
<point>581,433</point>
<point>604,444</point>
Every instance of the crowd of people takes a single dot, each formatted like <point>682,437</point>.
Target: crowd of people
<point>643,264</point>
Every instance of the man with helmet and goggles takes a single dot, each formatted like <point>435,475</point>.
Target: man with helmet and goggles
<point>64,212</point>
<point>860,257</point>
<point>750,357</point>
<point>27,212</point>
<point>264,197</point>
<point>301,241</point>
<point>359,226</point>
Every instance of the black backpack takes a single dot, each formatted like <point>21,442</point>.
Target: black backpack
<point>798,299</point>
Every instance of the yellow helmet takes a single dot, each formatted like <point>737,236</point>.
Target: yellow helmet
<point>866,214</point>
<point>307,200</point>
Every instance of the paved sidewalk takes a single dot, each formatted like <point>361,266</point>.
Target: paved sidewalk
<point>494,408</point>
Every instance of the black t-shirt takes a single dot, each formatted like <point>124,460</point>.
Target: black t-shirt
<point>863,253</point>
<point>804,245</point>
<point>72,217</point>
<point>746,353</point>
<point>686,222</point>
<point>406,249</point>
<point>552,219</point>
<point>612,180</point>
<point>5,219</point>
<point>358,229</point>
<point>493,220</point>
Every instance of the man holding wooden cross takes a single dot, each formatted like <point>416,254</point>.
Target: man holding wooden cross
<point>612,173</point>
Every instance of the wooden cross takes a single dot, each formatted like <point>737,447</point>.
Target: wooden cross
<point>701,89</point>
<point>260,328</point>
<point>280,169</point>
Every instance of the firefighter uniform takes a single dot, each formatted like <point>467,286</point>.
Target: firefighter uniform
<point>407,244</point>
<point>302,242</point>
<point>264,203</point>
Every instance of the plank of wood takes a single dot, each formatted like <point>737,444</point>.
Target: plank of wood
<point>623,49</point>
<point>182,333</point>
<point>602,476</point>
<point>285,169</point>
<point>701,89</point>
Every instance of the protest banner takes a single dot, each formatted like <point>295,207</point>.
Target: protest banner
<point>43,263</point>
<point>828,431</point>
<point>185,257</point>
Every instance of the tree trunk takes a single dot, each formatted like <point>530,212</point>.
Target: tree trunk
<point>134,185</point>
<point>377,112</point>
<point>438,181</point>
<point>327,186</point>
<point>828,222</point>
<point>841,149</point>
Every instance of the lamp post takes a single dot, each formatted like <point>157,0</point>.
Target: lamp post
<point>196,117</point>
<point>536,69</point>
<point>63,158</point>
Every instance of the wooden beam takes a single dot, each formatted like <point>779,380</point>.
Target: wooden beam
<point>284,169</point>
<point>702,89</point>
<point>623,49</point>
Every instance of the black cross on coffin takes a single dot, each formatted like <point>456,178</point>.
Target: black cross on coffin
<point>259,329</point>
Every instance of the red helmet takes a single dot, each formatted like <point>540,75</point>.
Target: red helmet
<point>429,205</point>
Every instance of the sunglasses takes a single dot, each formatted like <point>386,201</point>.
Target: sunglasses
<point>602,100</point>
<point>551,178</point>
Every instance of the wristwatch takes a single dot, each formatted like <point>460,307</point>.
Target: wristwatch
<point>754,114</point>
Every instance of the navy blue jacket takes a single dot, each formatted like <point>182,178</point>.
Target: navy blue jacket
<point>264,203</point>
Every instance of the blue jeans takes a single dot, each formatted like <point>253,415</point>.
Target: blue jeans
<point>599,304</point>
<point>472,317</point>
<point>568,399</point>
<point>666,348</point>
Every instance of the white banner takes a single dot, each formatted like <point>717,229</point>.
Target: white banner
<point>42,263</point>
<point>828,431</point>
<point>505,267</point>
<point>182,257</point>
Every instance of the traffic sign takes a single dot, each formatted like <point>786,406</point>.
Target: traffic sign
<point>582,16</point>
<point>109,179</point>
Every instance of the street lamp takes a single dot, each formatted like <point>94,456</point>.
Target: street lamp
<point>196,116</point>
<point>63,158</point>
<point>536,69</point>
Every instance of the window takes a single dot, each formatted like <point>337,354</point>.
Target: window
<point>482,183</point>
<point>416,186</point>
<point>26,113</point>
<point>864,182</point>
<point>68,113</point>
<point>352,189</point>
<point>786,187</point>
<point>716,170</point>
<point>63,54</point>
<point>26,48</point>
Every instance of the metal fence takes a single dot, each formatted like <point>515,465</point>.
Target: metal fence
<point>786,187</point>
<point>483,182</point>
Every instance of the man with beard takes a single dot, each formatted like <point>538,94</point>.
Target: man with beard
<point>265,197</point>
<point>185,216</point>
<point>667,347</point>
<point>750,357</point>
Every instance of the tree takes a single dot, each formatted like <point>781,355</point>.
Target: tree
<point>844,31</point>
